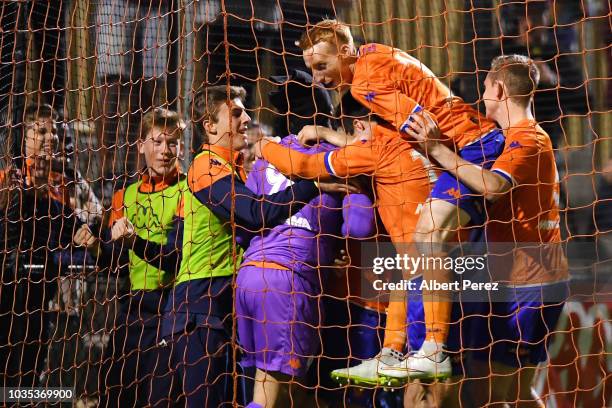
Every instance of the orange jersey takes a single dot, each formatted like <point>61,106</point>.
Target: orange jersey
<point>402,177</point>
<point>529,212</point>
<point>394,85</point>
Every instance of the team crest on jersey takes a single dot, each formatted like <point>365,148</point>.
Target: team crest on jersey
<point>370,96</point>
<point>515,145</point>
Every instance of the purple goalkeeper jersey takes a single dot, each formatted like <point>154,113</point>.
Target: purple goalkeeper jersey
<point>307,239</point>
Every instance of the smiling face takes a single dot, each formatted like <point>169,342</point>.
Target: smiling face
<point>230,129</point>
<point>160,148</point>
<point>329,64</point>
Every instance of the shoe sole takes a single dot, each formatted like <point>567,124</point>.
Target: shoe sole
<point>413,375</point>
<point>390,382</point>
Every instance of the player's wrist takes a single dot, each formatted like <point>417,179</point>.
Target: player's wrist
<point>437,150</point>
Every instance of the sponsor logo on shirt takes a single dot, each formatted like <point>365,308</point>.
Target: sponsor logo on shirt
<point>299,222</point>
<point>548,224</point>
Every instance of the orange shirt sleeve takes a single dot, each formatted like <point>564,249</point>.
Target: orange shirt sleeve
<point>116,207</point>
<point>352,160</point>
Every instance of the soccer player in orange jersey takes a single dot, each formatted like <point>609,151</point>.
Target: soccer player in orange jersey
<point>523,187</point>
<point>395,86</point>
<point>401,185</point>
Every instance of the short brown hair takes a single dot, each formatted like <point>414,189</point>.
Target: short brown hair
<point>350,109</point>
<point>35,111</point>
<point>206,103</point>
<point>161,118</point>
<point>519,74</point>
<point>327,30</point>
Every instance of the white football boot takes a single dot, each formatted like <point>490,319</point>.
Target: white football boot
<point>427,363</point>
<point>366,373</point>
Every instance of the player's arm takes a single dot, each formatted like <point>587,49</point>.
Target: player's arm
<point>167,256</point>
<point>488,183</point>
<point>358,215</point>
<point>225,196</point>
<point>110,253</point>
<point>352,160</point>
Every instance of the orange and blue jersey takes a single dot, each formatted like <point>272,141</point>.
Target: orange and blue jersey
<point>402,177</point>
<point>529,212</point>
<point>394,85</point>
<point>524,252</point>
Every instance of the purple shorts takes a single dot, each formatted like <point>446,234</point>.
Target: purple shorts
<point>278,318</point>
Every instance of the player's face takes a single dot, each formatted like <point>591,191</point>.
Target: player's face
<point>326,62</point>
<point>231,126</point>
<point>491,97</point>
<point>41,142</point>
<point>160,148</point>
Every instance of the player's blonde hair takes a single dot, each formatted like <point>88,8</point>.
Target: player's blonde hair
<point>519,74</point>
<point>327,30</point>
<point>161,118</point>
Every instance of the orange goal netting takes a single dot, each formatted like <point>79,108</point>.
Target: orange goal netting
<point>130,277</point>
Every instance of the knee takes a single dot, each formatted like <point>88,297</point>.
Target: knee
<point>426,231</point>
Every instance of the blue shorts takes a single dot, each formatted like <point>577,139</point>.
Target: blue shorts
<point>519,331</point>
<point>482,152</point>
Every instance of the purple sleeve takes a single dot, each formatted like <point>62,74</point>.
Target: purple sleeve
<point>255,180</point>
<point>358,215</point>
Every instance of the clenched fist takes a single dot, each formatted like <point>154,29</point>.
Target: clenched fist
<point>122,229</point>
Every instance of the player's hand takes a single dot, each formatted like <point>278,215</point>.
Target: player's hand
<point>261,143</point>
<point>310,135</point>
<point>10,179</point>
<point>123,229</point>
<point>338,188</point>
<point>84,237</point>
<point>425,131</point>
<point>342,260</point>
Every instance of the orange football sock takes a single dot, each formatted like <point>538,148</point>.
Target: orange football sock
<point>437,320</point>
<point>395,330</point>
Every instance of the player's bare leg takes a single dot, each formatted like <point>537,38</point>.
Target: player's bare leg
<point>268,388</point>
<point>438,223</point>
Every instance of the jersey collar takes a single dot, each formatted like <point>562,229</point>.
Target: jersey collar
<point>235,159</point>
<point>231,156</point>
<point>150,184</point>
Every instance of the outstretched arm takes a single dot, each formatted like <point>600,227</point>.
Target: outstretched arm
<point>352,160</point>
<point>488,183</point>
